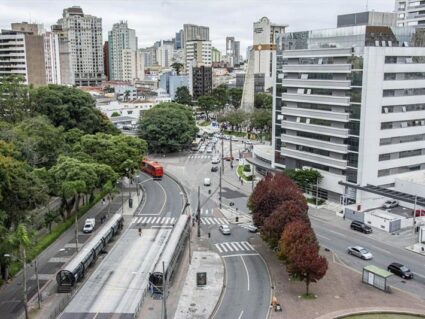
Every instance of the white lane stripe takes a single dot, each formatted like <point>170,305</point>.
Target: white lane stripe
<point>153,220</point>
<point>206,212</point>
<point>148,220</point>
<point>224,247</point>
<point>203,221</point>
<point>247,273</point>
<point>244,244</point>
<point>173,220</point>
<point>167,220</point>
<point>234,246</point>
<point>250,246</point>
<point>238,255</point>
<point>239,246</point>
<point>218,248</point>
<point>240,316</point>
<point>228,246</point>
<point>133,220</point>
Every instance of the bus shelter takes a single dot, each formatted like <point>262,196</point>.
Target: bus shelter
<point>376,277</point>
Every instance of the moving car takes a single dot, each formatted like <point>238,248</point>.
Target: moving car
<point>89,225</point>
<point>207,181</point>
<point>214,169</point>
<point>361,227</point>
<point>400,270</point>
<point>209,150</point>
<point>360,252</point>
<point>215,160</point>
<point>252,228</point>
<point>202,149</point>
<point>390,204</point>
<point>224,229</point>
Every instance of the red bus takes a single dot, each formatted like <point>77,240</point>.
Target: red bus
<point>152,168</point>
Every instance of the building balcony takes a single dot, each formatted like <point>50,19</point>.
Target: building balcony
<point>317,53</point>
<point>319,84</point>
<point>317,68</point>
<point>298,140</point>
<point>316,129</point>
<point>315,158</point>
<point>318,114</point>
<point>318,99</point>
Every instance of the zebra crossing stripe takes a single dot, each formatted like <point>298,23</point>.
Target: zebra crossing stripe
<point>206,212</point>
<point>218,248</point>
<point>229,246</point>
<point>223,221</point>
<point>172,220</point>
<point>153,220</point>
<point>223,247</point>
<point>134,220</point>
<point>239,246</point>
<point>209,221</point>
<point>247,245</point>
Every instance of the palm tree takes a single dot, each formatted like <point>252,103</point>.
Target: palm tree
<point>177,67</point>
<point>126,95</point>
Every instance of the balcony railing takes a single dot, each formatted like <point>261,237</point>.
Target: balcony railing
<point>317,129</point>
<point>318,114</point>
<point>319,99</point>
<point>315,158</point>
<point>331,52</point>
<point>317,68</point>
<point>298,140</point>
<point>325,84</point>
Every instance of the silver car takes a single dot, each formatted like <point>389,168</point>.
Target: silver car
<point>360,252</point>
<point>224,229</point>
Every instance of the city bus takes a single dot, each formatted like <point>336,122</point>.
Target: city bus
<point>152,168</point>
<point>196,144</point>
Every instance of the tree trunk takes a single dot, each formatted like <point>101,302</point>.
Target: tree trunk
<point>307,283</point>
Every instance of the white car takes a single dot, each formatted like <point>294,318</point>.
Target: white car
<point>224,229</point>
<point>89,225</point>
<point>390,204</point>
<point>215,160</point>
<point>202,149</point>
<point>209,150</point>
<point>207,181</point>
<point>360,252</point>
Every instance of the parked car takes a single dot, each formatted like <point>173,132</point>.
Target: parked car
<point>228,158</point>
<point>360,252</point>
<point>89,225</point>
<point>224,229</point>
<point>420,213</point>
<point>214,169</point>
<point>400,270</point>
<point>361,227</point>
<point>390,204</point>
<point>215,160</point>
<point>252,228</point>
<point>209,150</point>
<point>207,181</point>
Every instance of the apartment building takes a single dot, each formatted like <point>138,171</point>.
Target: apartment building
<point>165,53</point>
<point>52,58</point>
<point>83,35</point>
<point>67,76</point>
<point>200,81</point>
<point>193,32</point>
<point>198,53</point>
<point>233,51</point>
<point>410,13</point>
<point>349,102</point>
<point>22,54</point>
<point>120,38</point>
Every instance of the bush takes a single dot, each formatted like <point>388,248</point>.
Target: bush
<point>241,173</point>
<point>247,168</point>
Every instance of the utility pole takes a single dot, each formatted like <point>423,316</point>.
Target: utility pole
<point>76,231</point>
<point>198,211</point>
<point>253,176</point>
<point>414,214</point>
<point>164,292</point>
<point>24,260</point>
<point>38,283</point>
<point>231,155</point>
<point>222,152</point>
<point>220,189</point>
<point>317,190</point>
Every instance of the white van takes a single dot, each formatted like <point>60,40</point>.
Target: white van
<point>207,181</point>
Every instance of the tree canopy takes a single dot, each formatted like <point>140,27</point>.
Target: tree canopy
<point>207,104</point>
<point>168,127</point>
<point>15,102</point>
<point>263,101</point>
<point>183,96</point>
<point>235,97</point>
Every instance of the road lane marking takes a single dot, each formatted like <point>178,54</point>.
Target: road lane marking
<point>239,255</point>
<point>240,316</point>
<point>168,218</point>
<point>218,248</point>
<point>247,273</point>
<point>172,220</point>
<point>165,198</point>
<point>149,219</point>
<point>228,246</point>
<point>381,249</point>
<point>324,237</point>
<point>154,220</point>
<point>166,226</point>
<point>239,246</point>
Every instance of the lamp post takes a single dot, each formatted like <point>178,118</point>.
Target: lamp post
<point>122,198</point>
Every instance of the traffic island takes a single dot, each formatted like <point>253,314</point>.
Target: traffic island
<point>203,286</point>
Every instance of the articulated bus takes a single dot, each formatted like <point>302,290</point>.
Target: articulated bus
<point>196,144</point>
<point>152,168</point>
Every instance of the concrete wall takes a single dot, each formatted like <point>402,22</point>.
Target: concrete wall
<point>34,45</point>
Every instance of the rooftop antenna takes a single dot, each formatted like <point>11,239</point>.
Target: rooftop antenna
<point>367,5</point>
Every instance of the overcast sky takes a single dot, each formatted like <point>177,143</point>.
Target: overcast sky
<point>161,19</point>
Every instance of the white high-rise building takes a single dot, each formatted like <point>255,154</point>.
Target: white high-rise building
<point>349,102</point>
<point>165,53</point>
<point>198,53</point>
<point>52,58</point>
<point>129,65</point>
<point>120,38</point>
<point>140,65</point>
<point>193,32</point>
<point>83,34</point>
<point>233,51</point>
<point>410,13</point>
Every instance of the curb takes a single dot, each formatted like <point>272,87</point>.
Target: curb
<point>223,289</point>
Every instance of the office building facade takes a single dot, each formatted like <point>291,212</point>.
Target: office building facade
<point>233,51</point>
<point>193,32</point>
<point>198,53</point>
<point>200,81</point>
<point>349,103</point>
<point>52,58</point>
<point>410,13</point>
<point>82,34</point>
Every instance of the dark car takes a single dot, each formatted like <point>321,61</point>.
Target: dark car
<point>361,227</point>
<point>400,270</point>
<point>214,169</point>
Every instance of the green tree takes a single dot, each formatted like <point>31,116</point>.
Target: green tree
<point>15,99</point>
<point>114,151</point>
<point>261,120</point>
<point>220,94</point>
<point>183,96</point>
<point>207,104</point>
<point>236,118</point>
<point>71,108</point>
<point>304,177</point>
<point>235,97</point>
<point>177,67</point>
<point>115,114</point>
<point>37,141</point>
<point>168,127</point>
<point>20,190</point>
<point>263,101</point>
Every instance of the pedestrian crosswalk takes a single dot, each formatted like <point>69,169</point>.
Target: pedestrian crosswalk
<point>230,247</point>
<point>206,211</point>
<point>153,220</point>
<point>197,156</point>
<point>246,226</point>
<point>214,221</point>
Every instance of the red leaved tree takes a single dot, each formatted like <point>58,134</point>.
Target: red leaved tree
<point>272,191</point>
<point>297,233</point>
<point>287,212</point>
<point>307,265</point>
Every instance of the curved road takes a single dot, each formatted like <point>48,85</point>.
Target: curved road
<point>115,289</point>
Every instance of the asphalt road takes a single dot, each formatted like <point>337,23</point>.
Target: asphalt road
<point>247,292</point>
<point>115,289</point>
<point>338,240</point>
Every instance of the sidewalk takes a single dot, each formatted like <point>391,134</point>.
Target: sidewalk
<point>61,252</point>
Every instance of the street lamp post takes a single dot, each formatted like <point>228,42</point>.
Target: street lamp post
<point>198,211</point>
<point>122,198</point>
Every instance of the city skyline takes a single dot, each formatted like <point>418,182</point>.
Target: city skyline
<point>161,20</point>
